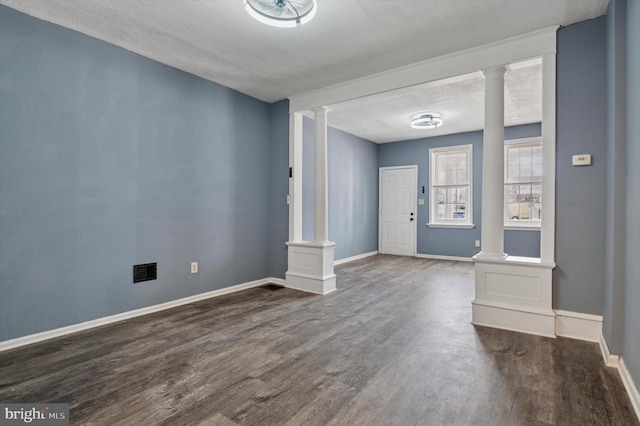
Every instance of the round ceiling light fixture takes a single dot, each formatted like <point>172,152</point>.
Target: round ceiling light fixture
<point>282,13</point>
<point>426,120</point>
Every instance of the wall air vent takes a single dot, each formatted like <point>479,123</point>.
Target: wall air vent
<point>145,272</point>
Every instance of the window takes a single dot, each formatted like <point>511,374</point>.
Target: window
<point>523,183</point>
<point>450,188</point>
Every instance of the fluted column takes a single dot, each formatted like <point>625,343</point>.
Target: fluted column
<point>321,197</point>
<point>492,234</point>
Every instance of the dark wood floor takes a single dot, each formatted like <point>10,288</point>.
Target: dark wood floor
<point>393,346</point>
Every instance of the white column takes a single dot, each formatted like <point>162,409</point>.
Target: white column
<point>492,234</point>
<point>321,195</point>
<point>310,263</point>
<point>295,180</point>
<point>548,225</point>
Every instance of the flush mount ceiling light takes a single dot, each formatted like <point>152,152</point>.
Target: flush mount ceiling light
<point>281,13</point>
<point>426,120</point>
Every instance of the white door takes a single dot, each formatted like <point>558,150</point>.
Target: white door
<point>398,213</point>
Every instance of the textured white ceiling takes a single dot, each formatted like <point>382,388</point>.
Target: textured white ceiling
<point>386,117</point>
<point>348,39</point>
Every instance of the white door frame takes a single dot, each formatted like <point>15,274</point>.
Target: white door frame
<point>415,205</point>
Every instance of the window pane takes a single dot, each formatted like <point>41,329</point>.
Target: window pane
<point>536,191</point>
<point>512,172</point>
<point>536,163</point>
<point>536,171</point>
<point>462,195</point>
<point>513,206</point>
<point>463,179</point>
<point>451,161</point>
<point>513,152</point>
<point>441,162</point>
<point>462,161</point>
<point>451,195</point>
<point>450,177</point>
<point>449,211</point>
<point>442,195</point>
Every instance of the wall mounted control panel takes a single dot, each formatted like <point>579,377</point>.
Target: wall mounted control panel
<point>581,160</point>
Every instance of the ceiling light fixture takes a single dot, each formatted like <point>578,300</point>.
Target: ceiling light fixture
<point>426,120</point>
<point>282,13</point>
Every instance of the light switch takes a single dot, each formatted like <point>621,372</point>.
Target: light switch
<point>420,202</point>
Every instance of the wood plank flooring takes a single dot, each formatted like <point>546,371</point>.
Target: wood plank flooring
<point>393,346</point>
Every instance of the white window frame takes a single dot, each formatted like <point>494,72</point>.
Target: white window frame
<point>530,225</point>
<point>434,222</point>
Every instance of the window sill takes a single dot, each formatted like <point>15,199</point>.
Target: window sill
<point>511,227</point>
<point>451,225</point>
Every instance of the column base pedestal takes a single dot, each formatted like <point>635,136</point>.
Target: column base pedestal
<point>311,267</point>
<point>514,294</point>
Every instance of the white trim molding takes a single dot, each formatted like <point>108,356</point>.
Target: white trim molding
<point>63,331</point>
<point>434,221</point>
<point>451,225</point>
<point>277,281</point>
<point>439,257</point>
<point>616,361</point>
<point>579,326</point>
<point>609,359</point>
<point>630,386</point>
<point>356,257</point>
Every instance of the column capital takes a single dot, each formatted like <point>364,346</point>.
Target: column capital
<point>495,72</point>
<point>322,109</point>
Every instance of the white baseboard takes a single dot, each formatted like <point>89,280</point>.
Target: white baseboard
<point>609,359</point>
<point>578,326</point>
<point>310,284</point>
<point>50,334</point>
<point>352,258</point>
<point>630,386</point>
<point>535,321</point>
<point>616,361</point>
<point>438,257</point>
<point>277,281</point>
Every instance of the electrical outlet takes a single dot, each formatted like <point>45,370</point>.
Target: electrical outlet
<point>477,243</point>
<point>194,267</point>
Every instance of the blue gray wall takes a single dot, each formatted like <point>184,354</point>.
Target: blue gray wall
<point>622,243</point>
<point>451,241</point>
<point>580,191</point>
<point>616,194</point>
<point>353,191</point>
<point>108,160</point>
<point>278,189</point>
<point>631,350</point>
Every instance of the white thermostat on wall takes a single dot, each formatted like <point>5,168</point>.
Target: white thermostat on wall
<point>581,160</point>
